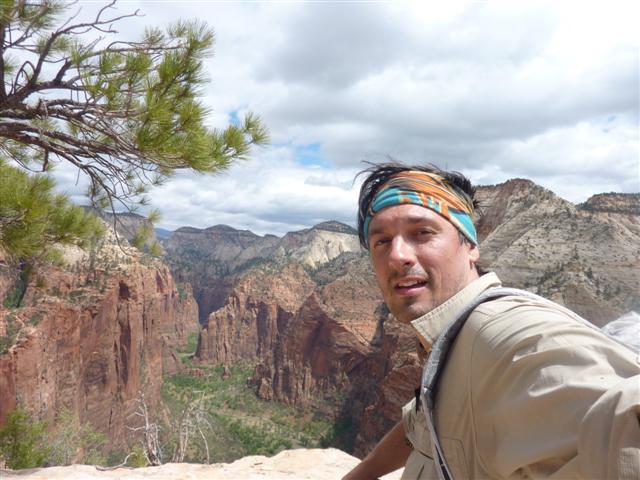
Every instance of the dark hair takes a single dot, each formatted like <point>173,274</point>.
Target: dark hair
<point>378,174</point>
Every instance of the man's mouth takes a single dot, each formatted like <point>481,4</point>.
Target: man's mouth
<point>410,286</point>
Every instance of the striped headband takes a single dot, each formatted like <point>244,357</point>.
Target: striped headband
<point>428,190</point>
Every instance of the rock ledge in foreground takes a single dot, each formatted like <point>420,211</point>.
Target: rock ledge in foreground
<point>301,464</point>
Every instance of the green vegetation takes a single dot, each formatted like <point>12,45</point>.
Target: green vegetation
<point>27,443</point>
<point>182,292</point>
<point>142,236</point>
<point>66,438</point>
<point>12,329</point>
<point>137,458</point>
<point>21,441</point>
<point>342,435</point>
<point>33,218</point>
<point>14,296</point>
<point>239,423</point>
<point>268,265</point>
<point>186,352</point>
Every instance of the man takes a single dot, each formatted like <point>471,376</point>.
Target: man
<point>528,389</point>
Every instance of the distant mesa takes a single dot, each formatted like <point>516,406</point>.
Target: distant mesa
<point>225,228</point>
<point>163,233</point>
<point>626,203</point>
<point>188,230</point>
<point>328,226</point>
<point>334,226</point>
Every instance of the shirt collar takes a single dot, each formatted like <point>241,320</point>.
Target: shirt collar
<point>431,324</point>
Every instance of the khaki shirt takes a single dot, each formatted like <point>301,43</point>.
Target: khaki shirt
<point>528,391</point>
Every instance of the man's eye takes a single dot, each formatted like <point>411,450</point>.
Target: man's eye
<point>380,241</point>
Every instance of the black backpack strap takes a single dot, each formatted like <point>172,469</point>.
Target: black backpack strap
<point>437,359</point>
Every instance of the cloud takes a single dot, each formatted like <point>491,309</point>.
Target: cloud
<point>541,90</point>
<point>272,193</point>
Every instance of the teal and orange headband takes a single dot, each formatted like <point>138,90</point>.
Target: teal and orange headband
<point>428,190</point>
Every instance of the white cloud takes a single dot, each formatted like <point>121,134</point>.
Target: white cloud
<point>542,90</point>
<point>270,194</point>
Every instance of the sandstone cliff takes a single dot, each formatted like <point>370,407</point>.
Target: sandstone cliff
<point>212,259</point>
<point>585,257</point>
<point>88,337</point>
<point>320,338</point>
<point>260,306</point>
<point>326,341</point>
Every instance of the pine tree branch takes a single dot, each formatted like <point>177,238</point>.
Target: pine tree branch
<point>126,114</point>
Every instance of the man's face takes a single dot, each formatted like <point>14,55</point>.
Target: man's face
<point>418,259</point>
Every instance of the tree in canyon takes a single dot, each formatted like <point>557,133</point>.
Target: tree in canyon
<point>127,114</point>
<point>190,424</point>
<point>21,441</point>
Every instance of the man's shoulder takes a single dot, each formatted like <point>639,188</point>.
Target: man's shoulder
<point>522,303</point>
<point>516,323</point>
<point>512,317</point>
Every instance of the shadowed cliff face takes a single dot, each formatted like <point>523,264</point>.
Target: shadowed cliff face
<point>90,338</point>
<point>209,259</point>
<point>259,308</point>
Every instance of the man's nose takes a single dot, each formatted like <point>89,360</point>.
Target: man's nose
<point>402,253</point>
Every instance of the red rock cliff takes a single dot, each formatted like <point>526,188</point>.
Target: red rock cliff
<point>90,341</point>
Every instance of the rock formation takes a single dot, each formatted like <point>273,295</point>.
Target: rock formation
<point>586,257</point>
<point>325,342</point>
<point>259,307</point>
<point>211,259</point>
<point>88,337</point>
<point>322,334</point>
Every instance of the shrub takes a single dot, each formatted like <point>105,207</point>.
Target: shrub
<point>21,443</point>
<point>67,438</point>
<point>137,458</point>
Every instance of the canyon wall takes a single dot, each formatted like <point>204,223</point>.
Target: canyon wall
<point>304,309</point>
<point>89,336</point>
<point>586,256</point>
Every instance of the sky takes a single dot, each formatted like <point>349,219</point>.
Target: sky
<point>547,91</point>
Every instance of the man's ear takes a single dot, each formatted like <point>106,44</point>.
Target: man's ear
<point>474,254</point>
